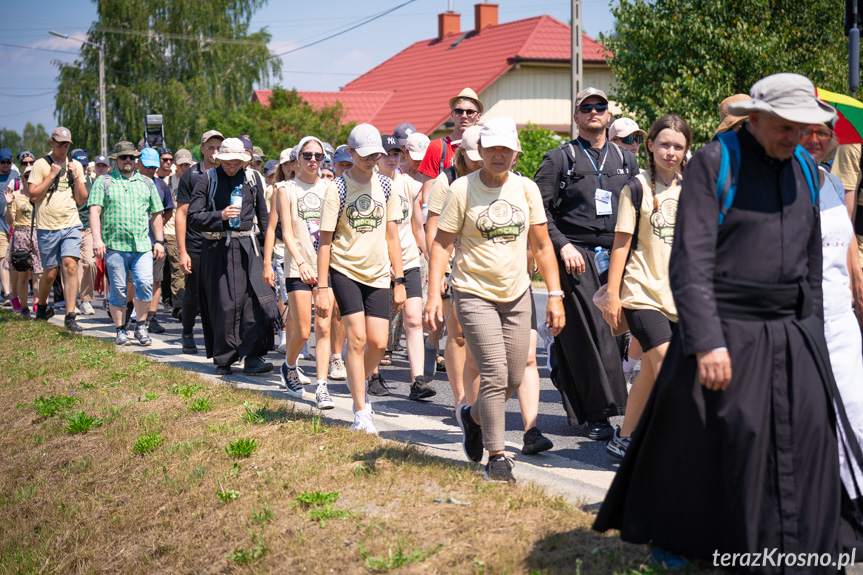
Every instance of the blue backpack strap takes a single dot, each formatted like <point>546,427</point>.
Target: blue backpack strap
<point>810,171</point>
<point>729,170</point>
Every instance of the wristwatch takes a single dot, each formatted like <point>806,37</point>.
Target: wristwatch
<point>400,280</point>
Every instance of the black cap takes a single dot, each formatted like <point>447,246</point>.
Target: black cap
<point>390,142</point>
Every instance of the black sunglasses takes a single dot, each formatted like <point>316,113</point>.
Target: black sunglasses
<point>586,108</point>
<point>127,157</point>
<point>4,162</point>
<point>167,159</point>
<point>307,156</point>
<point>463,112</point>
<point>26,162</point>
<point>632,138</point>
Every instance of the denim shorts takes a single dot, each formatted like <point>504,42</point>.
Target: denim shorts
<point>118,267</point>
<point>54,245</point>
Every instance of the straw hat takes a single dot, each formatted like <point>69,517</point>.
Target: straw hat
<point>729,121</point>
<point>467,94</point>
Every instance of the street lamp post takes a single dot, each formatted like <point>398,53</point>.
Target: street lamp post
<point>103,127</point>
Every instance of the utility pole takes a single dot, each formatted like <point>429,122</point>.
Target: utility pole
<point>103,126</point>
<point>575,69</point>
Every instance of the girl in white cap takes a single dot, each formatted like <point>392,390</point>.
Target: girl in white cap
<point>359,241</point>
<point>494,213</point>
<point>298,204</point>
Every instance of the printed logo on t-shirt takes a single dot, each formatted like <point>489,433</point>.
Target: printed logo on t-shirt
<point>501,222</point>
<point>663,220</point>
<point>365,214</point>
<point>309,208</point>
<point>406,208</point>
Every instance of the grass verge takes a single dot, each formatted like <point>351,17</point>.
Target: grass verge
<point>108,467</point>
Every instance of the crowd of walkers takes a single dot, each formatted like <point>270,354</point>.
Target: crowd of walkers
<point>719,313</point>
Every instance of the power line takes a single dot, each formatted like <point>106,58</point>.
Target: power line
<point>27,111</point>
<point>40,49</point>
<point>27,95</point>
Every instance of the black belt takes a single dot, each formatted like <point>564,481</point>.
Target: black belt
<point>756,301</point>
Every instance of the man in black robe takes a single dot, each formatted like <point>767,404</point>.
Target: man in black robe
<point>238,311</point>
<point>736,450</point>
<point>580,184</point>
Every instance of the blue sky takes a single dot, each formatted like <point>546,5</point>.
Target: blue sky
<point>29,77</point>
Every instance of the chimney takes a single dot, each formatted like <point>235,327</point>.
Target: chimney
<point>448,23</point>
<point>484,15</point>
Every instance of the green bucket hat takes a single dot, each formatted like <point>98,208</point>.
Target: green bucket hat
<point>123,148</point>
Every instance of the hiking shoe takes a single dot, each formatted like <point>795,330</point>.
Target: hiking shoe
<point>154,326</point>
<point>122,339</point>
<point>535,442</point>
<point>254,365</point>
<point>363,422</point>
<point>16,304</point>
<point>599,430</point>
<point>290,381</point>
<point>189,346</point>
<point>430,360</point>
<point>337,369</point>
<point>377,385</point>
<point>420,389</point>
<point>175,313</point>
<point>499,469</point>
<point>617,445</point>
<point>322,396</point>
<point>71,324</point>
<point>87,308</point>
<point>142,335</point>
<point>223,370</point>
<point>471,439</point>
<point>44,312</point>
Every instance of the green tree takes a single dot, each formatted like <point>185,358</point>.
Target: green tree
<point>535,142</point>
<point>684,56</point>
<point>283,122</point>
<point>10,139</point>
<point>35,139</point>
<point>178,58</point>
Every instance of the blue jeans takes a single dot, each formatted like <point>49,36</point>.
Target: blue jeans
<point>118,267</point>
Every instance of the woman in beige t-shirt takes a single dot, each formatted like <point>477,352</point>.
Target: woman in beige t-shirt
<point>298,204</point>
<point>639,289</point>
<point>359,241</point>
<point>494,213</point>
<point>19,215</point>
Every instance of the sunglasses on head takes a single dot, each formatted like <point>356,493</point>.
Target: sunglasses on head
<point>127,157</point>
<point>463,112</point>
<point>631,139</point>
<point>586,108</point>
<point>307,156</point>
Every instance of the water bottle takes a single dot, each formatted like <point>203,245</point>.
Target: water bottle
<point>236,200</point>
<point>601,259</point>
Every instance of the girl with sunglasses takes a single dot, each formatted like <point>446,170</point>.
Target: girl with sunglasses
<point>638,284</point>
<point>298,204</point>
<point>626,134</point>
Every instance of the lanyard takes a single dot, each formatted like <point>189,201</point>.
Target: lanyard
<point>599,169</point>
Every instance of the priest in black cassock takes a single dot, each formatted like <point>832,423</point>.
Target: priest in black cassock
<point>736,450</point>
<point>238,311</point>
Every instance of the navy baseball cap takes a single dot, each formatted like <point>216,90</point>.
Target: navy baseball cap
<point>270,167</point>
<point>247,144</point>
<point>81,156</point>
<point>327,164</point>
<point>390,142</point>
<point>342,155</point>
<point>5,154</point>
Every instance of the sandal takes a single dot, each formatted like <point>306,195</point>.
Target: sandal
<point>387,359</point>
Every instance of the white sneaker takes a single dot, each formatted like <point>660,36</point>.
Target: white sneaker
<point>283,342</point>
<point>87,308</point>
<point>322,395</point>
<point>304,379</point>
<point>363,422</point>
<point>337,369</point>
<point>304,353</point>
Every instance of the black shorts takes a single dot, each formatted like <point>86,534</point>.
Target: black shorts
<point>649,326</point>
<point>413,283</point>
<point>296,284</point>
<point>354,297</point>
<point>533,318</point>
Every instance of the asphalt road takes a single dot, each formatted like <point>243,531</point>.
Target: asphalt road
<point>577,468</point>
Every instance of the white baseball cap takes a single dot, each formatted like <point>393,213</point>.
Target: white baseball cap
<point>470,143</point>
<point>623,127</point>
<point>285,156</point>
<point>365,140</point>
<point>499,131</point>
<point>416,145</point>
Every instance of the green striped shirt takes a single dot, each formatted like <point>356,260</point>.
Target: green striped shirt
<point>126,208</point>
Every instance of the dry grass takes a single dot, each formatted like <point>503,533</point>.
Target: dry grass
<point>87,503</point>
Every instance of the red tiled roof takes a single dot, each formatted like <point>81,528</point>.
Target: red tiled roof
<point>421,82</point>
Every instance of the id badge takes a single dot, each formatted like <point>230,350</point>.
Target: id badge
<point>603,202</point>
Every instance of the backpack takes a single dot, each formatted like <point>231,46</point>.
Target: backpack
<point>567,173</point>
<point>249,175</point>
<point>106,183</point>
<point>56,182</point>
<point>451,174</point>
<point>729,171</point>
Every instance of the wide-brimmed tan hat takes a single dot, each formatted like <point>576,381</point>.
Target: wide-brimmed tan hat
<point>469,94</point>
<point>789,96</point>
<point>730,121</point>
<point>232,149</point>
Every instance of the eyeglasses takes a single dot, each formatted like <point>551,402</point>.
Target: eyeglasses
<point>165,160</point>
<point>373,157</point>
<point>6,162</point>
<point>307,156</point>
<point>631,139</point>
<point>587,108</point>
<point>820,133</point>
<point>463,112</point>
<point>127,157</point>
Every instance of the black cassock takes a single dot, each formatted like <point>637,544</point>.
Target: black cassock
<point>238,310</point>
<point>753,467</point>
